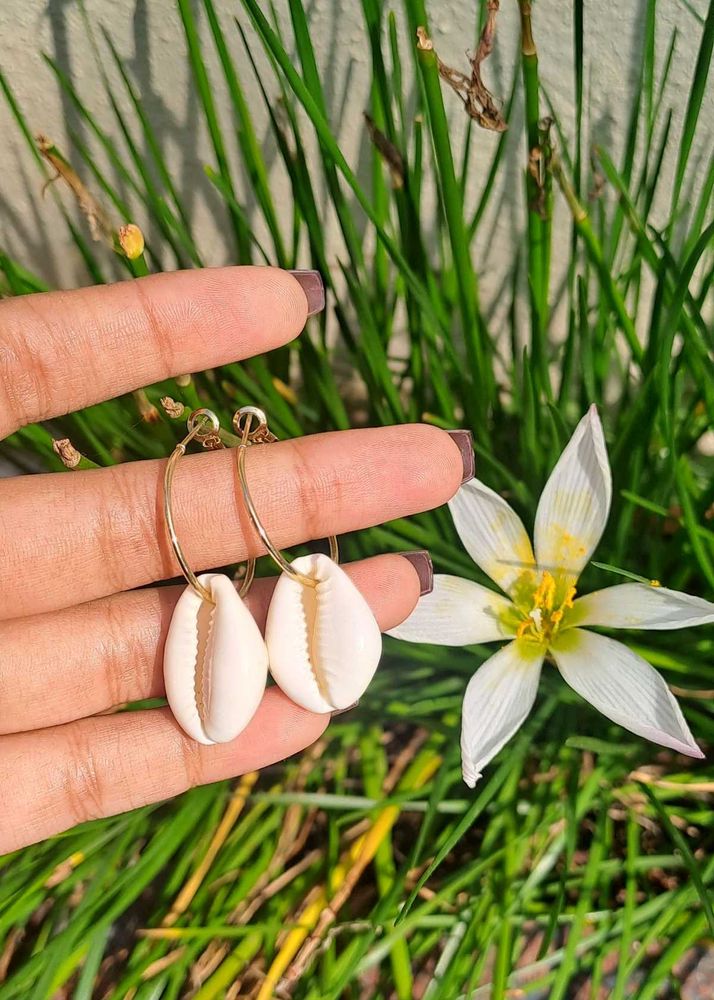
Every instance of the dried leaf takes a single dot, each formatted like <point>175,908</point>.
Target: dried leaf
<point>99,225</point>
<point>477,99</point>
<point>388,151</point>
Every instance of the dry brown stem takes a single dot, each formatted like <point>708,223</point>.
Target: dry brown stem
<point>388,151</point>
<point>477,99</point>
<point>99,225</point>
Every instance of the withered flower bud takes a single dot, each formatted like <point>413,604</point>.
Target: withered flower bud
<point>131,240</point>
<point>66,452</point>
<point>173,408</point>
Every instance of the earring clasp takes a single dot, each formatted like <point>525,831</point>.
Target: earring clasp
<point>243,424</point>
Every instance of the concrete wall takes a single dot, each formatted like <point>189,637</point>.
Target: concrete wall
<point>150,37</point>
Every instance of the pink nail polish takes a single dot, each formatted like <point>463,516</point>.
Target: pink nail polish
<point>464,440</point>
<point>314,288</point>
<point>421,561</point>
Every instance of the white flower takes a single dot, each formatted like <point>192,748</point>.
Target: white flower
<point>541,615</point>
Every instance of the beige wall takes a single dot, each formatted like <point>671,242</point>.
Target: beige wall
<point>149,35</point>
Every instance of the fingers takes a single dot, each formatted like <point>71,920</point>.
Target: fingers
<point>66,539</point>
<point>55,778</point>
<point>60,351</point>
<point>70,664</point>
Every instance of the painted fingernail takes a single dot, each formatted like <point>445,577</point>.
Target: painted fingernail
<point>342,711</point>
<point>314,287</point>
<point>465,442</point>
<point>421,561</point>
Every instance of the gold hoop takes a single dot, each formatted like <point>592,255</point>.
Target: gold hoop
<point>242,423</point>
<point>203,425</point>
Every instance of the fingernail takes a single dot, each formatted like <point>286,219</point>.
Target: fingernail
<point>421,561</point>
<point>342,711</point>
<point>312,284</point>
<point>465,442</point>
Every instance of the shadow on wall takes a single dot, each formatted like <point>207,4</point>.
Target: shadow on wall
<point>175,132</point>
<point>150,39</point>
<point>172,105</point>
<point>181,133</point>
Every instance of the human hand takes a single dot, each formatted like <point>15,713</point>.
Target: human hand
<point>75,639</point>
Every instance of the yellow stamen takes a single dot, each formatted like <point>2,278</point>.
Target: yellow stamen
<point>655,583</point>
<point>544,618</point>
<point>523,627</point>
<point>545,593</point>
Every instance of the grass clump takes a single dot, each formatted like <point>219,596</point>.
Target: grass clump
<point>366,868</point>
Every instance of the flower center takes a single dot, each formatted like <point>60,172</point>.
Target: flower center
<point>542,622</point>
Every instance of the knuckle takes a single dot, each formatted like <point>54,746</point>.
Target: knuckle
<point>109,529</point>
<point>121,655</point>
<point>7,677</point>
<point>25,380</point>
<point>319,488</point>
<point>82,780</point>
<point>124,530</point>
<point>192,761</point>
<point>160,332</point>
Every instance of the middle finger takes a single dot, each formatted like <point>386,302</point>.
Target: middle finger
<point>69,538</point>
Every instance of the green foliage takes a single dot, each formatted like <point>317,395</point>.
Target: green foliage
<point>558,845</point>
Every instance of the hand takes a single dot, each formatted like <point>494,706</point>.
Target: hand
<point>76,639</point>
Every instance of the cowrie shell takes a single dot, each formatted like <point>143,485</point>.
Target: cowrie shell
<point>323,642</point>
<point>215,662</point>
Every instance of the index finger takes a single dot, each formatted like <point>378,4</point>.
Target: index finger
<point>60,351</point>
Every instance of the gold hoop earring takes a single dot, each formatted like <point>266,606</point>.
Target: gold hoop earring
<point>323,642</point>
<point>215,659</point>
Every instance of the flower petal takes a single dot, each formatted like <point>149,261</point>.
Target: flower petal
<point>573,508</point>
<point>624,687</point>
<point>639,605</point>
<point>498,699</point>
<point>492,534</point>
<point>457,613</point>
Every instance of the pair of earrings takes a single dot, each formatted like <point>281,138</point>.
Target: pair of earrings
<point>322,644</point>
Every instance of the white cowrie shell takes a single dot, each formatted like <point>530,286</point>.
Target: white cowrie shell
<point>323,642</point>
<point>215,662</point>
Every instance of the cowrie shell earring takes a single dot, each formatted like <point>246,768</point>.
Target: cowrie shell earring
<point>323,641</point>
<point>215,659</point>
